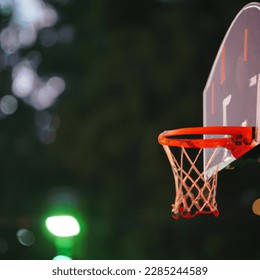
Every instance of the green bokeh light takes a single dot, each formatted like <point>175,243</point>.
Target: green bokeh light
<point>63,225</point>
<point>62,258</point>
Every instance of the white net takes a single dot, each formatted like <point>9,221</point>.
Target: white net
<point>195,193</point>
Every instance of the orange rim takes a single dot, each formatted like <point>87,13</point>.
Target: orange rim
<point>239,141</point>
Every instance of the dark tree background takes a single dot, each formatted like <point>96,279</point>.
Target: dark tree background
<point>132,69</point>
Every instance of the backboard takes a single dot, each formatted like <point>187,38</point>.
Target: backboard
<point>232,93</point>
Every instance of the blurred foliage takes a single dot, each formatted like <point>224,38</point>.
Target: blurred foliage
<point>134,69</point>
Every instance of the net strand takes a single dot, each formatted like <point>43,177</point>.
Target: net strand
<point>193,196</point>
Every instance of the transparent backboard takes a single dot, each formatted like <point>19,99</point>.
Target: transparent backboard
<point>232,93</point>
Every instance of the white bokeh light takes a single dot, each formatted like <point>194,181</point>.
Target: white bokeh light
<point>8,104</point>
<point>27,20</point>
<point>9,40</point>
<point>35,12</point>
<point>24,80</point>
<point>45,95</point>
<point>28,17</point>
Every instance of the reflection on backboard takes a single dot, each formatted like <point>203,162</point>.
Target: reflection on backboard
<point>232,93</point>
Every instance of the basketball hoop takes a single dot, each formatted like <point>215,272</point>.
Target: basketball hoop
<point>198,195</point>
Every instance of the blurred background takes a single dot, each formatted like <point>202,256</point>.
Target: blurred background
<point>86,86</point>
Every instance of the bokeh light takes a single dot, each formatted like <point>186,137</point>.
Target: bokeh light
<point>32,19</point>
<point>8,104</point>
<point>24,79</point>
<point>35,91</point>
<point>256,207</point>
<point>63,226</point>
<point>28,17</point>
<point>62,258</point>
<point>25,237</point>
